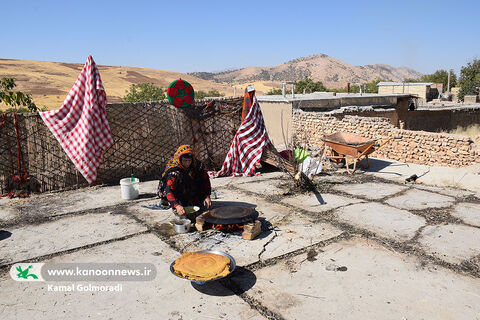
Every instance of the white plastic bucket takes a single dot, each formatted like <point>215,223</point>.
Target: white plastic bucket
<point>129,188</point>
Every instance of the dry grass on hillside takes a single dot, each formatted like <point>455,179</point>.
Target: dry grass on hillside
<point>50,82</point>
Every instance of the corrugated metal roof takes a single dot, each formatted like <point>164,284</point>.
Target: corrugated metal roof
<point>404,84</point>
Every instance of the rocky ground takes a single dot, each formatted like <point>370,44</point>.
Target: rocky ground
<point>362,247</point>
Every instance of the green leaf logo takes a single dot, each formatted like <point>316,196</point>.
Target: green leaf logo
<point>24,274</point>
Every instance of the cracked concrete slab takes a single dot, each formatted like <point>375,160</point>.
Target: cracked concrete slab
<point>418,200</point>
<point>382,220</point>
<point>79,200</point>
<point>333,179</point>
<point>223,182</point>
<point>297,234</point>
<point>149,216</point>
<point>32,241</point>
<point>468,212</point>
<point>376,285</point>
<point>289,234</point>
<point>165,297</point>
<point>370,190</point>
<point>319,203</point>
<point>457,193</point>
<point>439,176</point>
<point>452,243</point>
<point>245,252</point>
<point>264,187</point>
<point>291,229</point>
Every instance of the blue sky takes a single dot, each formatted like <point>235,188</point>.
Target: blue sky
<point>207,35</point>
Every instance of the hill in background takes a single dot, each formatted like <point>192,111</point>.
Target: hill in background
<point>334,73</point>
<point>50,82</point>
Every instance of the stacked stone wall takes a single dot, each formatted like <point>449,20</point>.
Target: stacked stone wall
<point>429,148</point>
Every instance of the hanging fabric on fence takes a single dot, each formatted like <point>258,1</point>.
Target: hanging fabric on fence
<point>80,125</point>
<point>248,144</point>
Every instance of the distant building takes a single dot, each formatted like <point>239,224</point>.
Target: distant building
<point>455,91</point>
<point>424,91</point>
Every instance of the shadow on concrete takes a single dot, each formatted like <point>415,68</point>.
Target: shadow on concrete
<point>376,165</point>
<point>319,197</point>
<point>147,196</point>
<point>220,288</point>
<point>5,234</point>
<point>267,228</point>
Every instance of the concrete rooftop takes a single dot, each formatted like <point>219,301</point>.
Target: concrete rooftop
<point>326,96</point>
<point>366,246</point>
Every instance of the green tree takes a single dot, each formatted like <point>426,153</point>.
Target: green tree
<point>309,86</point>
<point>274,91</point>
<point>355,88</point>
<point>469,80</point>
<point>440,76</point>
<point>15,98</point>
<point>203,94</point>
<point>144,92</point>
<point>372,86</point>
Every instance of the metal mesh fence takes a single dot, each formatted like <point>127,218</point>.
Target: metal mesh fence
<point>146,135</point>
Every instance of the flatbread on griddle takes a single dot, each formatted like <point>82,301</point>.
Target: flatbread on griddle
<point>201,266</point>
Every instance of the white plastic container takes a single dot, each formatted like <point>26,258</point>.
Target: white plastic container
<point>129,188</point>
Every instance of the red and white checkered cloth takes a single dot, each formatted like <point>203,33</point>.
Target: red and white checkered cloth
<point>247,147</point>
<point>81,124</point>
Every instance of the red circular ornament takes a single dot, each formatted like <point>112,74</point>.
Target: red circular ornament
<point>180,93</point>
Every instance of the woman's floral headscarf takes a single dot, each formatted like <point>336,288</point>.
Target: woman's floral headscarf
<point>175,161</point>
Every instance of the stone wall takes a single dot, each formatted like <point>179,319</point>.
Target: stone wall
<point>441,120</point>
<point>419,147</point>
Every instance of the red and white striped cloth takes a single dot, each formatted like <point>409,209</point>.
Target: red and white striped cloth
<point>248,143</point>
<point>81,124</point>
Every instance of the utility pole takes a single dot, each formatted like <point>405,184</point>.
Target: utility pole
<point>448,82</point>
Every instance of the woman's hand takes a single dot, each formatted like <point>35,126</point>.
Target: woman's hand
<point>180,210</point>
<point>207,202</point>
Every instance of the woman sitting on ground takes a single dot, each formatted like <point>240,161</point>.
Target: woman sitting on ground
<point>185,182</point>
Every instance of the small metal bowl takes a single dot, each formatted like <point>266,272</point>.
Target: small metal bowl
<point>233,265</point>
<point>181,225</point>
